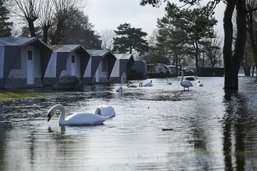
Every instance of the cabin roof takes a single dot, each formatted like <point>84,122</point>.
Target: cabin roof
<point>98,52</point>
<point>65,48</point>
<point>123,56</point>
<point>16,41</point>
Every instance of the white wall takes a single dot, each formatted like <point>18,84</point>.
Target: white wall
<point>76,65</point>
<point>87,72</point>
<point>103,74</point>
<point>116,69</point>
<point>51,67</point>
<point>68,67</point>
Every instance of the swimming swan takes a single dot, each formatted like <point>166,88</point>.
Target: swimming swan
<point>105,110</point>
<point>79,118</point>
<point>131,85</point>
<point>199,83</point>
<point>148,84</point>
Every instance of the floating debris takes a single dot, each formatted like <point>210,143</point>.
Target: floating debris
<point>167,129</point>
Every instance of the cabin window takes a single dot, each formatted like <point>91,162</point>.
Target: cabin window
<point>29,55</point>
<point>17,63</point>
<point>104,65</point>
<point>73,59</point>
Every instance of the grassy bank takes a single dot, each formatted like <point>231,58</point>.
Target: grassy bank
<point>6,95</point>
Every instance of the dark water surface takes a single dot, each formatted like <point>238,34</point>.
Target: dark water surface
<point>156,128</point>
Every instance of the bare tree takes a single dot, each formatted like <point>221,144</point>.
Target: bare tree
<point>46,18</point>
<point>107,39</point>
<point>152,40</point>
<point>213,52</point>
<point>49,19</point>
<point>29,11</point>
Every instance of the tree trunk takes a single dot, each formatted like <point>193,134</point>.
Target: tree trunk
<point>196,57</point>
<point>247,71</point>
<point>229,82</point>
<point>58,32</point>
<point>130,49</point>
<point>45,33</point>
<point>196,63</point>
<point>240,39</point>
<point>176,61</point>
<point>253,70</point>
<point>31,28</point>
<point>203,59</point>
<point>252,37</point>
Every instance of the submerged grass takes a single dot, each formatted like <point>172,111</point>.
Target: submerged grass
<point>6,95</point>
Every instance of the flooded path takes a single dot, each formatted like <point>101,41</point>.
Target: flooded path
<point>156,128</point>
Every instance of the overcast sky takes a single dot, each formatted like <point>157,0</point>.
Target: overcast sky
<point>109,14</point>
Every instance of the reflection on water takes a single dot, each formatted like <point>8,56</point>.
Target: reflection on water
<point>239,133</point>
<point>156,128</point>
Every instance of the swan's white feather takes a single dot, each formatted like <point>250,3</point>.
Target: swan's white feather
<point>84,119</point>
<point>105,110</point>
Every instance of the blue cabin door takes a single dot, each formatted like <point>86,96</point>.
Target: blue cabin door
<point>30,67</point>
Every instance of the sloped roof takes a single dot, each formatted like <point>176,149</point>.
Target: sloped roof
<point>16,41</point>
<point>65,48</point>
<point>123,56</point>
<point>98,52</point>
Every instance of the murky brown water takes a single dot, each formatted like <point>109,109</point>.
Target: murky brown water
<point>156,128</point>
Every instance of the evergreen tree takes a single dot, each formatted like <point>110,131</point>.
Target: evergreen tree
<point>172,38</point>
<point>184,30</point>
<point>5,25</point>
<point>128,38</point>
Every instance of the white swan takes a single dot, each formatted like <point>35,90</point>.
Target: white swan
<point>148,84</point>
<point>131,85</point>
<point>199,83</point>
<point>105,110</point>
<point>77,119</point>
<point>185,83</point>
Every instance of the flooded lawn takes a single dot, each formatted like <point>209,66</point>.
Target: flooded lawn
<point>156,128</point>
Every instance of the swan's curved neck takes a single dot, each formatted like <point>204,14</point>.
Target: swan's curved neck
<point>62,116</point>
<point>182,76</point>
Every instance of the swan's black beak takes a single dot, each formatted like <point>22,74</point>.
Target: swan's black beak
<point>49,117</point>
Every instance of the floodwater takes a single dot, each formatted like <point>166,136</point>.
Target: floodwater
<point>156,128</point>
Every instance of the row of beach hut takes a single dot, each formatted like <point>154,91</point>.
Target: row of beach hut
<point>30,63</point>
